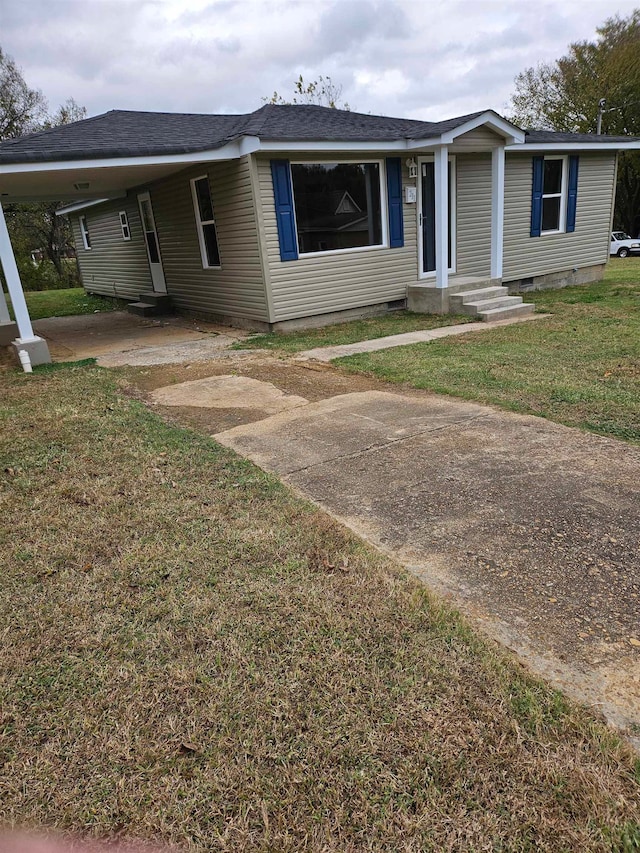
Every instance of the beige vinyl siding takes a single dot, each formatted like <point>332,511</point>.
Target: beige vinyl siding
<point>480,139</point>
<point>526,256</point>
<point>112,266</point>
<point>473,214</point>
<point>237,289</point>
<point>336,281</point>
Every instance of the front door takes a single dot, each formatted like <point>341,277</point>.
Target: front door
<point>427,217</point>
<point>151,239</point>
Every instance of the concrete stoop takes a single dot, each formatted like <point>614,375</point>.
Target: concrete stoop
<point>485,298</point>
<point>489,303</point>
<point>151,305</point>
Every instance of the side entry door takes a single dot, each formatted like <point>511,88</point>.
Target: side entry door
<point>151,239</point>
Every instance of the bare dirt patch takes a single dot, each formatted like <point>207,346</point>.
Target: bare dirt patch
<point>312,381</point>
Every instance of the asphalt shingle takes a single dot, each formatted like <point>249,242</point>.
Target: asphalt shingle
<point>123,133</point>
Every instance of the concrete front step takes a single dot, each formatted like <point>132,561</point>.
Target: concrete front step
<point>474,309</point>
<point>462,283</point>
<point>465,296</point>
<point>509,311</point>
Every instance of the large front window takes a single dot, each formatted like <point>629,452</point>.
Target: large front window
<point>338,206</point>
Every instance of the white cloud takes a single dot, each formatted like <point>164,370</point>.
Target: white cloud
<point>395,57</point>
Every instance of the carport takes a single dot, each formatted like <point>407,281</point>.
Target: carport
<point>75,165</point>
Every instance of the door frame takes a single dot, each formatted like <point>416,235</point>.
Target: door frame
<point>453,194</point>
<point>158,281</point>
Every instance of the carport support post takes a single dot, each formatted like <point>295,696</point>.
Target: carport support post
<point>442,216</point>
<point>36,347</point>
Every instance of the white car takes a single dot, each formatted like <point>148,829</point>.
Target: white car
<point>623,245</point>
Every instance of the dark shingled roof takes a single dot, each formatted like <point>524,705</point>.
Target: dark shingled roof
<point>121,133</point>
<point>534,136</point>
<point>124,133</point>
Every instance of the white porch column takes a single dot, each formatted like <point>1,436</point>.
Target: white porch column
<point>35,346</point>
<point>442,215</point>
<point>497,211</point>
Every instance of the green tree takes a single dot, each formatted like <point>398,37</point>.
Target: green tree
<point>35,226</point>
<point>21,109</point>
<point>322,92</point>
<point>565,95</point>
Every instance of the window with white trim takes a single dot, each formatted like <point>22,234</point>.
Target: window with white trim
<point>554,194</point>
<point>205,221</point>
<point>338,206</point>
<point>84,230</point>
<point>124,225</point>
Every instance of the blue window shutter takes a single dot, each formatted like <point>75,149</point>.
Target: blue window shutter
<point>283,194</point>
<point>394,198</point>
<point>572,197</point>
<point>536,196</point>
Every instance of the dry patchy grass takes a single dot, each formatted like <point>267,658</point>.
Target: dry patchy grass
<point>191,654</point>
<point>368,328</point>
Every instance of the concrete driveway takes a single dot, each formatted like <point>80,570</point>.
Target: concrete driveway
<point>531,528</point>
<point>117,338</point>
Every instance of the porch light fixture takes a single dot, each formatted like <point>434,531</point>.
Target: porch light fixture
<point>82,185</point>
<point>412,166</point>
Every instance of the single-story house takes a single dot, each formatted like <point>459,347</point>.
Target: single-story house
<point>299,214</point>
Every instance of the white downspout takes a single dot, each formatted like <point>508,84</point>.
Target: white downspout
<point>497,211</point>
<point>35,346</point>
<point>442,215</point>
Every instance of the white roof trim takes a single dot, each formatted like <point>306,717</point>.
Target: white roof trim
<point>574,146</point>
<point>79,205</point>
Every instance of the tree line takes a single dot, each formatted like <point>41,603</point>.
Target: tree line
<point>35,227</point>
<point>598,76</point>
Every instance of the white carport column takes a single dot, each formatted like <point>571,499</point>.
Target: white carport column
<point>497,211</point>
<point>36,347</point>
<point>442,215</point>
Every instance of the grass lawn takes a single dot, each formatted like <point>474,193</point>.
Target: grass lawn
<point>64,303</point>
<point>580,367</point>
<point>192,654</point>
<point>394,323</point>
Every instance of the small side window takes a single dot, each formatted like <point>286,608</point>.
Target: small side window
<point>205,221</point>
<point>554,193</point>
<point>124,224</point>
<point>86,239</point>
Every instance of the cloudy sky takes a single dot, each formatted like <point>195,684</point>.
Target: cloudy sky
<point>415,58</point>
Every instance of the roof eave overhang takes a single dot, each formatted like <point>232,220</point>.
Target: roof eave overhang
<point>82,205</point>
<point>543,147</point>
<point>231,151</point>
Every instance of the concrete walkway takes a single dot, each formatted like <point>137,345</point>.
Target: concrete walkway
<point>329,353</point>
<point>529,527</point>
